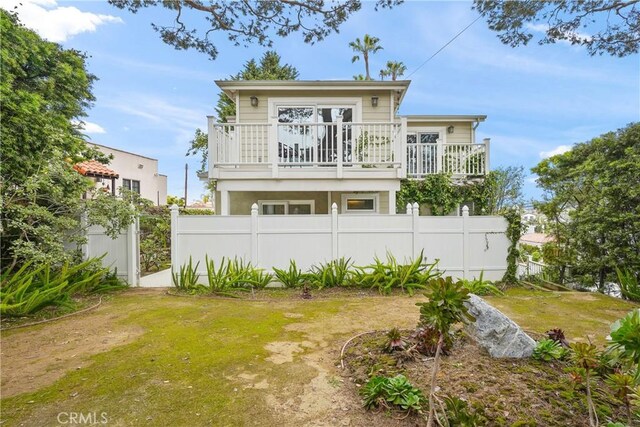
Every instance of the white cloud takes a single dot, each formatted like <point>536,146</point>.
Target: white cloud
<point>55,23</point>
<point>90,127</point>
<point>560,149</point>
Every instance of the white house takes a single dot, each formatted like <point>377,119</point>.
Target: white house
<point>131,171</point>
<point>297,147</point>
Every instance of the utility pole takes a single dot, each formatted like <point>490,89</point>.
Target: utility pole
<point>186,175</point>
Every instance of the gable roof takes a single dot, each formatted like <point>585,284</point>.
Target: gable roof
<point>94,168</point>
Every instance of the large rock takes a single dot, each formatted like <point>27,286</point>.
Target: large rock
<point>495,332</point>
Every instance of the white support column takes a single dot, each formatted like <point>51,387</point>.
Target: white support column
<point>402,173</point>
<point>254,235</point>
<point>175,260</point>
<point>415,212</point>
<point>340,148</point>
<point>334,231</point>
<point>132,253</point>
<point>224,202</point>
<point>439,155</point>
<point>213,144</point>
<point>487,154</point>
<point>465,242</point>
<point>273,149</point>
<point>392,202</point>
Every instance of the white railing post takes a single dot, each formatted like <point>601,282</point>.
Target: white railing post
<point>175,260</point>
<point>213,144</point>
<point>402,173</point>
<point>254,234</point>
<point>340,150</point>
<point>132,254</point>
<point>439,155</point>
<point>465,242</point>
<point>415,211</point>
<point>487,154</point>
<point>334,231</point>
<point>273,149</point>
<point>408,208</point>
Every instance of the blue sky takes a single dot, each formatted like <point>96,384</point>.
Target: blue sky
<point>539,99</point>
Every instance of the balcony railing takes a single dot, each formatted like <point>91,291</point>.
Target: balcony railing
<point>340,144</point>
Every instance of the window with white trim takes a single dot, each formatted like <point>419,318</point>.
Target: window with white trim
<point>286,207</point>
<point>359,203</point>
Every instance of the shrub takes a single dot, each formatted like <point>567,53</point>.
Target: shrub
<point>187,278</point>
<point>547,350</point>
<point>234,274</point>
<point>625,340</point>
<point>390,392</point>
<point>391,274</point>
<point>331,274</point>
<point>585,356</point>
<point>291,278</point>
<point>458,413</point>
<point>481,287</point>
<point>394,340</point>
<point>629,285</point>
<point>426,340</point>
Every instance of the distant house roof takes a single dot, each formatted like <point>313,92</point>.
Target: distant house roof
<point>536,239</point>
<point>93,168</point>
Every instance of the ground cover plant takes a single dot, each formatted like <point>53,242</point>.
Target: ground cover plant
<point>30,289</point>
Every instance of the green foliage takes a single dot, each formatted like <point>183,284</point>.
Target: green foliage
<point>392,392</point>
<point>459,414</point>
<point>269,68</point>
<point>179,201</point>
<point>625,339</point>
<point>601,27</point>
<point>30,288</point>
<point>45,91</point>
<point>365,47</point>
<point>394,70</point>
<point>593,206</point>
<point>548,350</point>
<point>291,278</point>
<point>445,306</point>
<point>480,286</point>
<point>331,274</point>
<point>426,340</point>
<point>394,340</point>
<point>155,238</point>
<point>514,232</point>
<point>585,356</point>
<point>629,285</point>
<point>234,274</point>
<point>187,278</point>
<point>387,276</point>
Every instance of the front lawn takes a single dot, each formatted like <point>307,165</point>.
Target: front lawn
<point>145,358</point>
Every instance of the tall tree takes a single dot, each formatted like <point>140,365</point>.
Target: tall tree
<point>394,70</point>
<point>592,200</point>
<point>268,68</point>
<point>249,22</point>
<point>45,89</point>
<point>601,26</point>
<point>367,46</point>
<point>503,189</point>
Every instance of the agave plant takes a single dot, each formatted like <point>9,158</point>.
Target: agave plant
<point>291,278</point>
<point>331,274</point>
<point>548,350</point>
<point>622,386</point>
<point>585,356</point>
<point>481,287</point>
<point>558,336</point>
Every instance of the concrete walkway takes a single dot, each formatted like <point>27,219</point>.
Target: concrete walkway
<point>161,279</point>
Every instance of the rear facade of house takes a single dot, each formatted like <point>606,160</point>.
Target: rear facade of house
<point>298,147</point>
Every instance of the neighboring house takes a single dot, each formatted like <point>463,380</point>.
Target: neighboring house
<point>536,239</point>
<point>297,147</point>
<point>104,177</point>
<point>136,173</point>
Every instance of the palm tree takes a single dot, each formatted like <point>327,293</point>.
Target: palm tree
<point>368,45</point>
<point>394,69</point>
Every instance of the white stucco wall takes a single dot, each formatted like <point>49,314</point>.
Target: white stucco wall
<point>153,186</point>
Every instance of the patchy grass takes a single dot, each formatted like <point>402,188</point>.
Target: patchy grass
<point>145,358</point>
<point>579,314</point>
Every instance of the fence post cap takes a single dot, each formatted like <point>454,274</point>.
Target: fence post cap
<point>465,210</point>
<point>254,207</point>
<point>173,207</point>
<point>416,205</point>
<point>408,208</point>
<point>334,206</point>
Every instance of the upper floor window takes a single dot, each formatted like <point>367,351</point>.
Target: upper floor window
<point>131,185</point>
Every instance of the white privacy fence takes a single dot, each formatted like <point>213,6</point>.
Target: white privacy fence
<point>121,253</point>
<point>465,245</point>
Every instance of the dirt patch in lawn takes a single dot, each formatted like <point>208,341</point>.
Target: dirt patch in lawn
<point>45,353</point>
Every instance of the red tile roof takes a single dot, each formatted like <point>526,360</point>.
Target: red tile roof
<point>95,169</point>
<point>536,238</point>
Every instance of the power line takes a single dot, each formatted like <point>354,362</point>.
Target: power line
<point>447,44</point>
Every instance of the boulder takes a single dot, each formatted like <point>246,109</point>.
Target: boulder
<point>495,332</point>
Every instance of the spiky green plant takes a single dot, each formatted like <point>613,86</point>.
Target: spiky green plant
<point>481,287</point>
<point>331,274</point>
<point>187,279</point>
<point>585,356</point>
<point>390,392</point>
<point>394,340</point>
<point>234,274</point>
<point>547,350</point>
<point>622,386</point>
<point>293,277</point>
<point>629,285</point>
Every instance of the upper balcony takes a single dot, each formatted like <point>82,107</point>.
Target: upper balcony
<point>338,150</point>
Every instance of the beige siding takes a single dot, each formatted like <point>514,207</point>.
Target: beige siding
<point>259,114</point>
<point>462,132</point>
<point>241,201</point>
